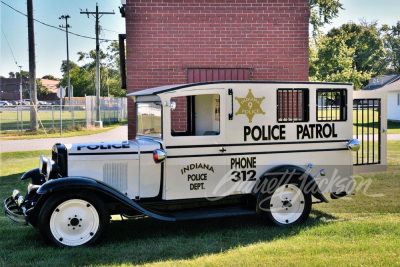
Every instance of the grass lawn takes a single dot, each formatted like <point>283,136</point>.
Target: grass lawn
<point>362,231</point>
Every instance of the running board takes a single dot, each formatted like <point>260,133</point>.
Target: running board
<point>212,213</point>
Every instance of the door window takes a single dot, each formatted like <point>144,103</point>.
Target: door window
<point>196,115</point>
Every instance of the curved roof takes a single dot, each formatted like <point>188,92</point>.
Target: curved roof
<point>167,88</point>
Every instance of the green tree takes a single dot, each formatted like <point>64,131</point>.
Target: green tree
<point>331,60</point>
<point>41,90</point>
<point>25,74</point>
<point>50,77</point>
<point>81,79</point>
<point>365,39</point>
<point>322,12</point>
<point>391,37</point>
<point>351,53</point>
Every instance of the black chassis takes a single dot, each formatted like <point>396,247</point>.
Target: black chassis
<point>40,190</point>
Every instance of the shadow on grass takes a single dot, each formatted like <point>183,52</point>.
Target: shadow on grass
<point>144,240</point>
<point>147,240</point>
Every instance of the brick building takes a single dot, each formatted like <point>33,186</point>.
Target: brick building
<point>185,41</point>
<point>9,88</point>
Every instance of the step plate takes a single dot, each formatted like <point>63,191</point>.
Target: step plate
<point>212,213</point>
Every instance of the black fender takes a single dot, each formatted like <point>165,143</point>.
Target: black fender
<point>35,175</point>
<point>89,184</point>
<point>288,169</point>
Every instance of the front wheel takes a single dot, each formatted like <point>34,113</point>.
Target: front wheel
<point>287,204</point>
<point>73,220</point>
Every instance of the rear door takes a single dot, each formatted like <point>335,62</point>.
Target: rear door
<point>370,128</point>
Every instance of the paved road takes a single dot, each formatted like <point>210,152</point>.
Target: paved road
<point>118,134</point>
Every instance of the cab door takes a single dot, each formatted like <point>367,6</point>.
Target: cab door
<point>194,135</point>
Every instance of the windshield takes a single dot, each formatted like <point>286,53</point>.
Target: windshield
<point>149,118</point>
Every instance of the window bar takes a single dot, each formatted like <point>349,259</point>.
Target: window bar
<point>373,131</point>
<point>368,114</point>
<point>278,105</point>
<point>331,116</point>
<point>326,105</point>
<point>321,108</point>
<point>362,132</point>
<point>379,130</point>
<point>302,107</point>
<point>283,105</point>
<point>287,105</point>
<point>292,105</point>
<point>357,125</point>
<point>336,113</point>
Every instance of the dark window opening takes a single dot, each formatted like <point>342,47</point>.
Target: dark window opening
<point>331,105</point>
<point>292,105</point>
<point>196,115</point>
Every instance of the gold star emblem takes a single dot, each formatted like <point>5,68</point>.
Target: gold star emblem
<point>250,105</point>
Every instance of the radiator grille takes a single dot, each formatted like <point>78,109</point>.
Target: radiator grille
<point>116,175</point>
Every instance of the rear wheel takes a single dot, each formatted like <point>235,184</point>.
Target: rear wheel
<point>73,219</point>
<point>287,203</point>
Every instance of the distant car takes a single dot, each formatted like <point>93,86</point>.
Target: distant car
<point>4,103</point>
<point>43,103</point>
<point>13,102</point>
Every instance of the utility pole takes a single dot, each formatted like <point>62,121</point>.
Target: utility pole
<point>96,15</point>
<point>66,17</point>
<point>32,68</point>
<point>20,97</point>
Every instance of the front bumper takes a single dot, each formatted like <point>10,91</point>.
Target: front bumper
<point>14,212</point>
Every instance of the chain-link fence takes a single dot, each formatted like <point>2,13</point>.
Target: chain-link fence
<point>112,109</point>
<point>81,112</point>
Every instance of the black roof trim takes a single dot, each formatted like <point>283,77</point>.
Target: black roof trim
<point>164,89</point>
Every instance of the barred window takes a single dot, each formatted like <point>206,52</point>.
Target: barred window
<point>292,105</point>
<point>331,105</point>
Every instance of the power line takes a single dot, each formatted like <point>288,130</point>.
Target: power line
<point>51,26</point>
<point>9,46</point>
<point>109,30</point>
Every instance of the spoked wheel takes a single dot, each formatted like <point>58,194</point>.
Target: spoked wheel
<point>73,220</point>
<point>288,204</point>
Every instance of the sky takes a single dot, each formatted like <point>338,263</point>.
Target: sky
<point>51,43</point>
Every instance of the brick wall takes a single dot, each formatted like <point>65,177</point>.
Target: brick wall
<point>167,37</point>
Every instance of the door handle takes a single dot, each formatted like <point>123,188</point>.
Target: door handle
<point>222,149</point>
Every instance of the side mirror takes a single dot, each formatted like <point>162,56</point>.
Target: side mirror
<point>354,145</point>
<point>173,105</point>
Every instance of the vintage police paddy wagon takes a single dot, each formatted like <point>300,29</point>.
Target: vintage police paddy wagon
<point>202,150</point>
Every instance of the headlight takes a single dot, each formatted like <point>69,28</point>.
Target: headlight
<point>49,168</point>
<point>15,194</point>
<point>20,200</point>
<point>43,164</point>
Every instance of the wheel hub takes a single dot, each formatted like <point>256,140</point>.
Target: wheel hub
<point>287,204</point>
<point>74,221</point>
